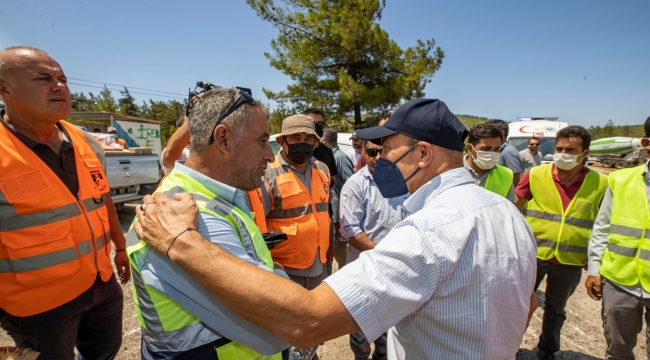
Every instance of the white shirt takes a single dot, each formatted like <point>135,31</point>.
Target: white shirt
<point>364,210</point>
<point>184,155</point>
<point>451,281</point>
<point>354,156</point>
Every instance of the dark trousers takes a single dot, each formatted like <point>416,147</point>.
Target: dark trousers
<point>561,282</point>
<point>92,322</point>
<point>623,320</point>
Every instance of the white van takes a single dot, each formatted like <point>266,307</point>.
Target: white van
<point>544,128</point>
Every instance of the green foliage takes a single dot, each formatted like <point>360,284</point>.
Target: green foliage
<point>127,103</point>
<point>610,130</point>
<point>105,101</point>
<point>341,60</point>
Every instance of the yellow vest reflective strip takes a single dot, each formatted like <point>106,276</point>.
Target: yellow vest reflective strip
<point>626,260</point>
<point>559,233</point>
<point>50,259</point>
<point>499,180</point>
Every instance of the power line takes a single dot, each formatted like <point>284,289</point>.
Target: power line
<point>134,92</point>
<point>128,87</point>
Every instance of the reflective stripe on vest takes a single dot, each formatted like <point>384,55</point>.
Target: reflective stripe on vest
<point>51,244</point>
<point>499,180</point>
<point>166,325</point>
<point>297,210</point>
<point>563,234</point>
<point>626,260</point>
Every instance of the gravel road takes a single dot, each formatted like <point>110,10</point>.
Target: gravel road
<point>582,336</point>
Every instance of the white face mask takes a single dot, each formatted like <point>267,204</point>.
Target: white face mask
<point>566,161</point>
<point>485,160</point>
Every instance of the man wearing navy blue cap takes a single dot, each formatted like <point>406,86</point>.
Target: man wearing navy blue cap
<point>452,280</point>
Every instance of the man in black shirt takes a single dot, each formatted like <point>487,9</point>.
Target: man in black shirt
<point>325,155</point>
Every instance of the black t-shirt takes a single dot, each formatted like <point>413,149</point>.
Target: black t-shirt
<point>325,155</point>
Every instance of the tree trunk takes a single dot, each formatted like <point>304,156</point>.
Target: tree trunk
<point>357,116</point>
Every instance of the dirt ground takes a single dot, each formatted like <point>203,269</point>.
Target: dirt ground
<point>582,335</point>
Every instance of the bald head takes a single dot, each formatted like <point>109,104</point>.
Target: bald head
<point>12,57</point>
<point>33,85</point>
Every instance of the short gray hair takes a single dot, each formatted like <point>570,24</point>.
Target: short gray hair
<point>331,135</point>
<point>207,110</point>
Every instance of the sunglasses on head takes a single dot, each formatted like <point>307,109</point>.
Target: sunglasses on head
<point>372,152</point>
<point>243,97</point>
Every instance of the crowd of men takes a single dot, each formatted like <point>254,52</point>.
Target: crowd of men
<point>436,267</point>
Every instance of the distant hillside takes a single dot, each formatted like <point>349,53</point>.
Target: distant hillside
<point>471,120</point>
<point>610,129</point>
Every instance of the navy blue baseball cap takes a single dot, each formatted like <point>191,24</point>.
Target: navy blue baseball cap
<point>423,119</point>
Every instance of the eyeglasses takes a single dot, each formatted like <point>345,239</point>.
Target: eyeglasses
<point>533,144</point>
<point>241,98</point>
<point>372,152</point>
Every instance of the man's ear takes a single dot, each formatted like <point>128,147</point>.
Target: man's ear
<point>426,154</point>
<point>223,138</point>
<point>4,88</point>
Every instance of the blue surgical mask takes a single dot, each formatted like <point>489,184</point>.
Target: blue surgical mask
<point>389,179</point>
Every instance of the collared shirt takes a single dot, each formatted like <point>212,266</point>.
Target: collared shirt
<point>353,155</point>
<point>345,170</point>
<point>530,160</point>
<point>510,158</point>
<point>600,236</point>
<point>63,166</point>
<point>364,210</point>
<point>174,282</point>
<point>451,281</point>
<point>316,268</point>
<point>480,180</point>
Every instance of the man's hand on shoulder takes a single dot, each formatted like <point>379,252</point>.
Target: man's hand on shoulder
<point>163,219</point>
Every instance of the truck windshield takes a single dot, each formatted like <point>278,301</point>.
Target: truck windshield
<point>546,145</point>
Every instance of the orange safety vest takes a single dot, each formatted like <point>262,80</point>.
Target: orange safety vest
<point>257,208</point>
<point>121,142</point>
<point>52,244</point>
<point>302,216</point>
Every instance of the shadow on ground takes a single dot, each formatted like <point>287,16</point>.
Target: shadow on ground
<point>524,354</point>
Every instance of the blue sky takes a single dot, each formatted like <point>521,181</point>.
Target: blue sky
<point>585,61</point>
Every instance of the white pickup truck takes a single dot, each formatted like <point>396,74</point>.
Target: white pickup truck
<point>130,175</point>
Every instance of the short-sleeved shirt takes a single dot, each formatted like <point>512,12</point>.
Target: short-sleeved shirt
<point>364,210</point>
<point>530,160</point>
<point>450,281</point>
<point>510,158</point>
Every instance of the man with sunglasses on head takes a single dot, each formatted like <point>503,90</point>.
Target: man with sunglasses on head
<point>229,153</point>
<point>483,152</point>
<point>366,217</point>
<point>531,156</point>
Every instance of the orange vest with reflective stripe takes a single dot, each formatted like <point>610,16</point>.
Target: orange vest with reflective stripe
<point>51,244</point>
<point>302,216</point>
<point>257,208</point>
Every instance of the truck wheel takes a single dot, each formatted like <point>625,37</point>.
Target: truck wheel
<point>607,163</point>
<point>620,164</point>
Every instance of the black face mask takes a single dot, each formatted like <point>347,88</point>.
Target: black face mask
<point>300,153</point>
<point>319,128</point>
